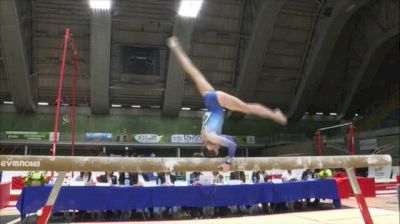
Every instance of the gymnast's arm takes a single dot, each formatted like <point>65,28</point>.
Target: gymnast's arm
<point>224,140</point>
<point>231,145</point>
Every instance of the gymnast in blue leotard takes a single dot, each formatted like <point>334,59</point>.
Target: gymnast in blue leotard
<point>215,101</point>
<point>213,120</point>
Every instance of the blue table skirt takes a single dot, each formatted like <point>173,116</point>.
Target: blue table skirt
<point>92,198</point>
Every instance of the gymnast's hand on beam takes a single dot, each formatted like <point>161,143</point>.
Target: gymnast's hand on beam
<point>224,167</point>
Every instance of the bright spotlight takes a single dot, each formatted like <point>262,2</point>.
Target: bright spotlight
<point>190,8</point>
<point>100,4</point>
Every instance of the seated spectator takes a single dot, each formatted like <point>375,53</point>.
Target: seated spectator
<point>238,175</point>
<point>315,174</point>
<point>137,179</point>
<point>289,176</point>
<point>194,211</point>
<point>195,177</point>
<point>166,178</point>
<point>219,211</point>
<point>307,175</point>
<point>111,179</point>
<point>35,178</point>
<point>124,178</point>
<point>108,177</point>
<point>67,180</point>
<point>217,178</point>
<point>151,175</point>
<point>259,177</point>
<point>85,177</point>
<point>328,173</point>
<point>325,174</point>
<point>361,172</point>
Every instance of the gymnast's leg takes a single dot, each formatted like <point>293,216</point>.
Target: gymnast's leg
<point>235,104</point>
<point>198,78</point>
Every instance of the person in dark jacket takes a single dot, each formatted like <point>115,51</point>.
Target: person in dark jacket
<point>166,178</point>
<point>259,177</point>
<point>108,177</point>
<point>137,179</point>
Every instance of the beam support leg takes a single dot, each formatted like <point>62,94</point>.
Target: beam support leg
<point>47,209</point>
<point>362,205</point>
<point>318,134</point>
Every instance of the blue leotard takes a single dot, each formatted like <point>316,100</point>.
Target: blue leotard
<point>213,120</point>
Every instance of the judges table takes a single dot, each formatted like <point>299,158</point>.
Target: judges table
<point>94,198</point>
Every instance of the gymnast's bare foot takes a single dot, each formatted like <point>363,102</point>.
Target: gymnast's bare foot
<point>279,117</point>
<point>172,42</point>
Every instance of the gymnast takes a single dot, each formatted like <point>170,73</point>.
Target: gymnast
<point>215,101</point>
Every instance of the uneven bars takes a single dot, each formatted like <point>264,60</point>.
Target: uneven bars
<point>336,126</point>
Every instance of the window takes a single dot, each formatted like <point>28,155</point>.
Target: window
<point>142,60</point>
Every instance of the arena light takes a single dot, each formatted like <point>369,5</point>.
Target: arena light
<point>116,105</point>
<point>356,115</point>
<point>319,113</point>
<point>190,8</point>
<point>8,102</point>
<point>333,114</point>
<point>100,4</point>
<point>43,103</point>
<point>136,106</point>
<point>185,108</point>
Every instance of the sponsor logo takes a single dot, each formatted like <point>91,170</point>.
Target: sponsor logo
<point>148,138</point>
<point>98,136</point>
<point>186,139</point>
<point>20,163</point>
<point>31,135</point>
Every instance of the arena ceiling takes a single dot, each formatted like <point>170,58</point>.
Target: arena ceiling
<point>299,55</point>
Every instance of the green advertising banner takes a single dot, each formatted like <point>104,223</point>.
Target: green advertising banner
<point>244,139</point>
<point>31,135</point>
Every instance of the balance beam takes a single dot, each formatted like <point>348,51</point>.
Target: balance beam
<point>154,164</point>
